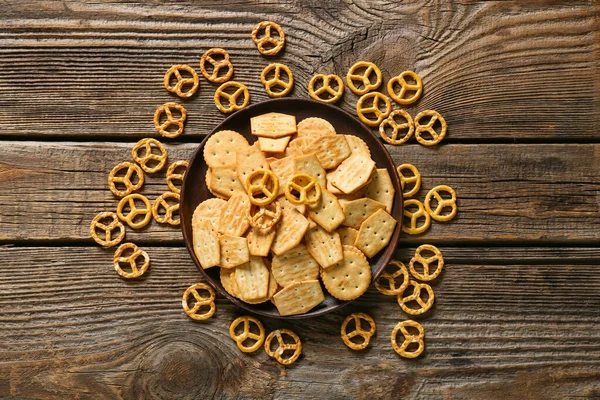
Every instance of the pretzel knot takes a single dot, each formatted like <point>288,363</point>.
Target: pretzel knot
<point>426,263</point>
<point>170,209</point>
<point>148,156</point>
<point>276,81</point>
<point>363,79</point>
<point>134,210</point>
<point>414,228</point>
<point>416,296</point>
<point>296,347</point>
<point>390,277</point>
<point>178,122</point>
<point>172,176</point>
<point>303,189</point>
<point>429,127</point>
<point>126,180</point>
<point>397,127</point>
<point>241,89</point>
<point>263,186</point>
<point>181,81</point>
<point>408,339</point>
<point>108,240</point>
<point>328,92</point>
<point>415,178</point>
<point>217,65</point>
<point>441,203</point>
<point>200,301</point>
<point>247,334</point>
<point>264,217</point>
<point>374,109</point>
<point>405,87</point>
<point>358,330</point>
<point>266,43</point>
<point>131,260</point>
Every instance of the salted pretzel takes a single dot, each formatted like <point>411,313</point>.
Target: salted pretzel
<point>408,339</point>
<point>391,289</point>
<point>247,334</point>
<point>296,347</point>
<point>416,179</point>
<point>358,331</point>
<point>217,65</point>
<point>181,81</point>
<point>302,189</point>
<point>149,157</point>
<point>126,180</point>
<point>396,137</point>
<point>131,260</point>
<point>362,111</point>
<point>427,275</point>
<point>364,78</point>
<point>429,128</point>
<point>263,186</point>
<point>231,98</point>
<point>264,217</point>
<point>108,240</point>
<point>414,228</point>
<point>267,39</point>
<point>327,93</point>
<point>161,201</point>
<point>163,128</point>
<point>441,203</point>
<point>200,301</point>
<point>400,97</point>
<point>425,305</point>
<point>172,176</point>
<point>134,210</point>
<point>276,80</point>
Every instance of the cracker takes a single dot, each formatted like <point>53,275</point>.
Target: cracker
<point>289,231</point>
<point>375,233</point>
<point>357,145</point>
<point>350,278</point>
<point>311,224</point>
<point>206,244</point>
<point>270,145</point>
<point>284,169</point>
<point>273,288</point>
<point>249,160</point>
<point>259,242</point>
<point>325,247</point>
<point>330,150</point>
<point>292,152</point>
<point>347,235</point>
<point>299,143</point>
<point>329,186</point>
<point>314,127</point>
<point>381,189</point>
<point>224,181</point>
<point>225,275</point>
<point>295,265</point>
<point>232,220</point>
<point>328,212</point>
<point>252,279</point>
<point>285,203</point>
<point>356,211</point>
<point>299,297</point>
<point>309,164</point>
<point>208,210</point>
<point>220,148</point>
<point>353,173</point>
<point>273,125</point>
<point>234,251</point>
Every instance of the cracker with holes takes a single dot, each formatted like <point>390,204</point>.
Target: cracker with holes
<point>299,297</point>
<point>295,265</point>
<point>220,149</point>
<point>325,247</point>
<point>225,276</point>
<point>224,181</point>
<point>208,210</point>
<point>252,279</point>
<point>234,251</point>
<point>347,235</point>
<point>273,125</point>
<point>353,173</point>
<point>309,164</point>
<point>249,160</point>
<point>357,145</point>
<point>330,150</point>
<point>284,169</point>
<point>259,241</point>
<point>381,189</point>
<point>375,233</point>
<point>357,211</point>
<point>328,212</point>
<point>273,145</point>
<point>315,127</point>
<point>232,220</point>
<point>206,244</point>
<point>289,232</point>
<point>349,278</point>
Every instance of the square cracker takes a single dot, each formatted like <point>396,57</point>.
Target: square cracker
<point>234,251</point>
<point>347,235</point>
<point>328,212</point>
<point>309,164</point>
<point>273,125</point>
<point>356,211</point>
<point>381,189</point>
<point>330,150</point>
<point>289,231</point>
<point>224,181</point>
<point>353,173</point>
<point>375,233</point>
<point>270,145</point>
<point>252,279</point>
<point>295,265</point>
<point>299,297</point>
<point>232,220</point>
<point>285,203</point>
<point>249,160</point>
<point>259,242</point>
<point>206,244</point>
<point>284,169</point>
<point>325,247</point>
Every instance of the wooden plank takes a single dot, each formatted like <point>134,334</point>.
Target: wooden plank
<point>495,70</point>
<point>51,191</point>
<point>527,326</point>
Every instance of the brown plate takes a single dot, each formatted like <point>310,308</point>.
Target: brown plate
<point>194,189</point>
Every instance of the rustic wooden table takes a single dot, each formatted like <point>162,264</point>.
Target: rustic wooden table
<point>517,311</point>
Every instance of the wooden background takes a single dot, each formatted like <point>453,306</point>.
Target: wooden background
<point>517,311</point>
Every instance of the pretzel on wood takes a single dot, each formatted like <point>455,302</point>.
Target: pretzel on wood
<point>425,305</point>
<point>161,201</point>
<point>429,128</point>
<point>362,111</point>
<point>427,275</point>
<point>276,80</point>
<point>181,81</point>
<point>327,88</point>
<point>149,156</point>
<point>267,38</point>
<point>241,89</point>
<point>397,127</point>
<point>126,180</point>
<point>416,179</point>
<point>408,339</point>
<point>134,210</point>
<point>217,65</point>
<point>414,228</point>
<point>364,78</point>
<point>247,334</point>
<point>172,176</point>
<point>283,346</point>
<point>358,331</point>
<point>390,278</point>
<point>163,128</point>
<point>200,301</point>
<point>108,240</point>
<point>441,203</point>
<point>131,260</point>
<point>405,87</point>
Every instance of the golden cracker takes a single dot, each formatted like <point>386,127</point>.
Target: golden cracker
<point>289,231</point>
<point>220,148</point>
<point>292,152</point>
<point>381,189</point>
<point>252,279</point>
<point>299,297</point>
<point>232,220</point>
<point>248,161</point>
<point>353,173</point>
<point>325,247</point>
<point>270,145</point>
<point>347,235</point>
<point>311,224</point>
<point>206,244</point>
<point>313,127</point>
<point>350,278</point>
<point>208,210</point>
<point>309,164</point>
<point>273,288</point>
<point>329,185</point>
<point>330,150</point>
<point>259,242</point>
<point>285,203</point>
<point>328,212</point>
<point>299,144</point>
<point>224,181</point>
<point>284,169</point>
<point>225,275</point>
<point>295,265</point>
<point>375,233</point>
<point>357,145</point>
<point>356,211</point>
<point>234,251</point>
<point>273,125</point>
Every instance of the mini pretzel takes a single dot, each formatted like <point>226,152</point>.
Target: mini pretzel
<point>303,185</point>
<point>200,301</point>
<point>231,98</point>
<point>426,262</point>
<point>181,81</point>
<point>326,89</point>
<point>179,122</point>
<point>265,190</point>
<point>135,211</point>
<point>276,80</point>
<point>442,203</point>
<point>364,78</point>
<point>390,277</point>
<point>172,176</point>
<point>414,228</point>
<point>362,111</point>
<point>170,209</point>
<point>396,127</point>
<point>246,334</point>
<point>405,87</point>
<point>416,296</point>
<point>217,65</point>
<point>108,241</point>
<point>278,353</point>
<point>429,128</point>
<point>358,331</point>
<point>416,178</point>
<point>125,180</point>
<point>144,160</point>
<point>408,339</point>
<point>267,38</point>
<point>131,260</point>
<point>264,217</point>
